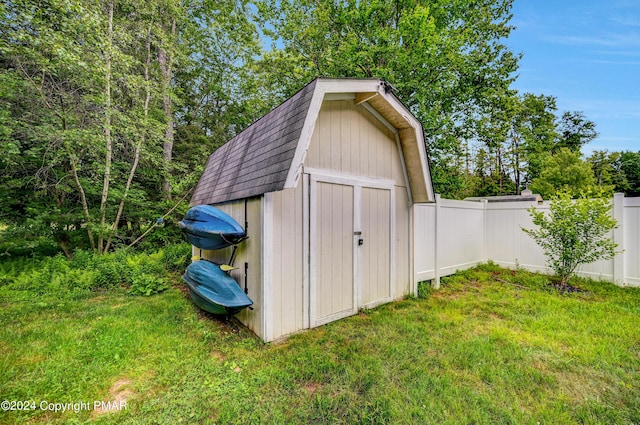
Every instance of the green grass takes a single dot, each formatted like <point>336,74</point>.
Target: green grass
<point>492,346</point>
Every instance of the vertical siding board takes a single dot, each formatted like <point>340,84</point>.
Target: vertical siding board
<point>389,149</point>
<point>289,260</point>
<point>277,255</point>
<point>335,132</point>
<point>313,154</point>
<point>345,197</point>
<point>298,257</point>
<point>635,259</point>
<point>323,297</point>
<point>375,252</point>
<point>335,224</point>
<point>377,246</point>
<point>402,243</point>
<point>324,139</point>
<point>365,257</point>
<point>632,243</point>
<point>347,247</point>
<point>385,205</point>
<point>349,139</point>
<point>365,146</point>
<point>345,126</point>
<point>355,141</point>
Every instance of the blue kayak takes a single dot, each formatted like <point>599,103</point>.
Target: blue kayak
<point>209,228</point>
<point>213,290</point>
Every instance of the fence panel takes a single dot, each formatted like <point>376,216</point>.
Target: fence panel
<point>631,220</point>
<point>424,241</point>
<point>460,234</point>
<point>455,235</point>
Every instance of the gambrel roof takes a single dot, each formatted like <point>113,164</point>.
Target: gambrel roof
<point>268,155</point>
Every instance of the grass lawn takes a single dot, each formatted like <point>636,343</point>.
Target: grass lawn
<point>492,346</point>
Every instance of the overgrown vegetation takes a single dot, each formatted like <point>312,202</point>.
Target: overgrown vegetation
<point>48,279</point>
<point>493,346</point>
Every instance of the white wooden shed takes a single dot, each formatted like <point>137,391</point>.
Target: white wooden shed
<point>325,185</point>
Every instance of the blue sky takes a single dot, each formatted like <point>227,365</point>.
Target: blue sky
<point>586,53</point>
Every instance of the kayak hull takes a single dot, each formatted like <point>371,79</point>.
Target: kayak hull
<point>207,227</point>
<point>213,290</point>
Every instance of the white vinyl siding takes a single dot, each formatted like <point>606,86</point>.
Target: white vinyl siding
<point>249,251</point>
<point>349,139</point>
<point>287,261</point>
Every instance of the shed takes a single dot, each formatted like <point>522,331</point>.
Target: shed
<point>325,185</point>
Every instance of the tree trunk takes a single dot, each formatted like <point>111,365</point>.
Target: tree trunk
<point>165,60</point>
<point>65,248</point>
<point>107,129</point>
<point>136,156</point>
<point>516,162</point>
<point>83,197</point>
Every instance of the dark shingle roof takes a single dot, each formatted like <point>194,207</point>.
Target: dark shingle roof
<point>258,159</point>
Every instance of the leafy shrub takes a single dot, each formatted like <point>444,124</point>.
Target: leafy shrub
<point>177,257</point>
<point>146,263</point>
<point>147,284</point>
<point>573,233</point>
<point>110,273</point>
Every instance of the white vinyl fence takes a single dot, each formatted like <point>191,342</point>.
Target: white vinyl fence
<point>455,235</point>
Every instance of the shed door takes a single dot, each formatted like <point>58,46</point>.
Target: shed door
<point>351,251</point>
<point>375,251</point>
<point>332,260</point>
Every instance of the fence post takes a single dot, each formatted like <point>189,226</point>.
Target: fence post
<point>485,202</point>
<point>618,237</point>
<point>436,267</point>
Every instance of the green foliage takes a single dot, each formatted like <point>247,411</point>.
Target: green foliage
<point>147,284</point>
<point>88,105</point>
<point>573,232</point>
<point>531,136</point>
<point>575,131</point>
<point>630,166</point>
<point>60,278</point>
<point>607,170</point>
<point>565,171</point>
<point>184,77</point>
<point>177,257</point>
<point>447,60</point>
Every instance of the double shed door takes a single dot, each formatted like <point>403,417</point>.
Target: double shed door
<point>351,246</point>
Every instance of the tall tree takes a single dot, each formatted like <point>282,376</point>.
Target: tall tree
<point>76,73</point>
<point>607,170</point>
<point>165,61</point>
<point>630,166</point>
<point>574,131</point>
<point>564,171</point>
<point>531,136</point>
<point>55,127</point>
<point>446,59</point>
<point>220,90</point>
